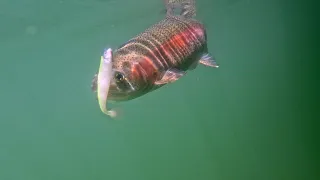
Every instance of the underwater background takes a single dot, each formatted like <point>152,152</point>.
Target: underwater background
<point>249,119</point>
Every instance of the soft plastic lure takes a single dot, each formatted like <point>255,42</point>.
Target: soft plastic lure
<point>104,78</point>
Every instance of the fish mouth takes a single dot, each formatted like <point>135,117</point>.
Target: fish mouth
<point>116,94</point>
<point>116,91</point>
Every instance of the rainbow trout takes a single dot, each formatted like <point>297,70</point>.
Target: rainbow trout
<point>160,55</point>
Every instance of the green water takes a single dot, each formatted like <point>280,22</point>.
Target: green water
<point>241,121</point>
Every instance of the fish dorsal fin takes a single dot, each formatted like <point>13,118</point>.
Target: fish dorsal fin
<point>184,8</point>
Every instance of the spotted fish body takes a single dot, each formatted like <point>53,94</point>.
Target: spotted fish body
<point>173,42</point>
<point>160,55</point>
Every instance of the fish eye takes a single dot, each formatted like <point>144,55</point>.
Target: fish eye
<point>119,76</point>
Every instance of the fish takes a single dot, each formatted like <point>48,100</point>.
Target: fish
<point>104,77</point>
<point>160,55</point>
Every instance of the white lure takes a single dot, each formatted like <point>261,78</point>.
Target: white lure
<point>103,83</point>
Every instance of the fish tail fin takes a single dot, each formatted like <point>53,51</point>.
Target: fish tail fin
<point>187,7</point>
<point>208,60</point>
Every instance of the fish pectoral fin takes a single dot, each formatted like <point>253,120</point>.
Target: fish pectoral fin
<point>170,76</point>
<point>208,60</point>
<point>94,83</point>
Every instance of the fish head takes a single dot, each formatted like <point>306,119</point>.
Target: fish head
<point>129,79</point>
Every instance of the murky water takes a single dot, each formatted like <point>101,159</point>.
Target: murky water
<point>236,122</point>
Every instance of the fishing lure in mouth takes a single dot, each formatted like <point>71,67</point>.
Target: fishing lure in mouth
<point>104,79</point>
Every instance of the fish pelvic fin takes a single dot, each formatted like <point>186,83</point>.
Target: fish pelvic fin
<point>187,8</point>
<point>170,76</point>
<point>208,60</point>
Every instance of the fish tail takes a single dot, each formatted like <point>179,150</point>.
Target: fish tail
<point>187,7</point>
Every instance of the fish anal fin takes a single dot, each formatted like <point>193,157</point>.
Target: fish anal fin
<point>208,60</point>
<point>170,76</point>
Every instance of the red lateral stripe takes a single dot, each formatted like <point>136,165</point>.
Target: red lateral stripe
<point>173,50</point>
<point>178,44</point>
